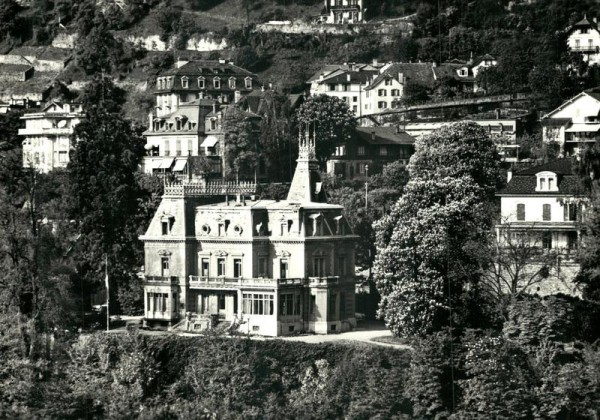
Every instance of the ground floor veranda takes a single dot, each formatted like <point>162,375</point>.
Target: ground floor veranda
<point>328,306</point>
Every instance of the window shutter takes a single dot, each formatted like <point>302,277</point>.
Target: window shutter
<point>520,211</point>
<point>546,212</point>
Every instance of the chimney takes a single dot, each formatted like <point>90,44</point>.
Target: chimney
<point>348,76</point>
<point>374,62</point>
<point>214,107</point>
<point>321,77</point>
<point>237,96</point>
<point>201,95</point>
<point>508,176</point>
<point>401,78</point>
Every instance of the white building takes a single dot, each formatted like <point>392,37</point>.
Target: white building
<point>584,38</point>
<point>271,267</point>
<point>342,11</point>
<point>575,123</point>
<point>542,208</point>
<point>46,143</point>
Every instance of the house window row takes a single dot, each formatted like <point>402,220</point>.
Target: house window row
<point>221,265</point>
<point>570,212</point>
<point>258,304</point>
<point>157,302</point>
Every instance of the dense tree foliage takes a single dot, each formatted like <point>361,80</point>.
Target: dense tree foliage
<point>331,119</point>
<point>424,246</point>
<point>106,194</point>
<point>241,154</point>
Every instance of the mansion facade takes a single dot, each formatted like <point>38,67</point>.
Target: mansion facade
<point>272,267</point>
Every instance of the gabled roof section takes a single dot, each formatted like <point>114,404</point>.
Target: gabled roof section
<point>524,182</point>
<point>484,57</point>
<point>384,136</point>
<point>591,93</point>
<point>583,24</point>
<point>421,73</point>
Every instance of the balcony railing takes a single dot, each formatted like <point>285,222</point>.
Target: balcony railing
<point>161,279</point>
<point>585,48</point>
<point>228,282</point>
<point>211,188</point>
<point>323,281</point>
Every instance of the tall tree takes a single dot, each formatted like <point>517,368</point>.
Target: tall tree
<point>241,144</point>
<point>106,194</point>
<point>332,120</point>
<point>424,259</point>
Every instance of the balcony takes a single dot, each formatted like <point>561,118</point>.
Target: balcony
<point>161,280</point>
<point>198,282</point>
<point>324,281</point>
<point>585,48</point>
<point>45,131</point>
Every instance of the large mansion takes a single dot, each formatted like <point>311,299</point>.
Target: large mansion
<point>273,267</point>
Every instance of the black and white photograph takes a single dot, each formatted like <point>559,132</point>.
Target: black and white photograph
<point>300,209</point>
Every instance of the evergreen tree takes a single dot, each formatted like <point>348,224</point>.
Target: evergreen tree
<point>106,194</point>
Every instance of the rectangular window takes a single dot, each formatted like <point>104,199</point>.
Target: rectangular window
<point>231,83</point>
<point>221,301</point>
<point>205,267</point>
<point>262,267</point>
<point>355,99</point>
<point>237,267</point>
<point>572,240</point>
<point>157,302</point>
<point>570,212</point>
<point>283,269</point>
<point>361,150</point>
<point>318,266</point>
<point>383,151</point>
<point>361,168</point>
<point>388,82</point>
<point>382,92</point>
<point>546,215</point>
<point>313,304</point>
<point>332,305</point>
<point>395,92</point>
<point>200,83</point>
<point>542,184</point>
<point>289,304</point>
<point>220,266</point>
<point>248,83</point>
<point>521,212</point>
<point>341,265</point>
<point>382,105</point>
<point>165,227</point>
<point>184,82</point>
<point>550,183</point>
<point>217,83</point>
<point>164,266</point>
<point>63,157</point>
<point>332,87</point>
<point>258,304</point>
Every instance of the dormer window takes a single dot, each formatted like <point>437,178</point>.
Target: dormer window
<point>217,83</point>
<point>248,82</point>
<point>166,224</point>
<point>546,181</point>
<point>201,84</point>
<point>184,82</point>
<point>232,83</point>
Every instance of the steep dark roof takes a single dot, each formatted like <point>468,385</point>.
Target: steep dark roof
<point>208,68</point>
<point>384,135</point>
<point>524,182</point>
<point>482,58</point>
<point>355,77</point>
<point>583,23</point>
<point>420,73</point>
<point>559,166</point>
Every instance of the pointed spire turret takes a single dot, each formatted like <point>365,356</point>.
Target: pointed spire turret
<point>306,184</point>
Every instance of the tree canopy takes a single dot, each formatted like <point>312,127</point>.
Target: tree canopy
<point>332,120</point>
<point>423,260</point>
